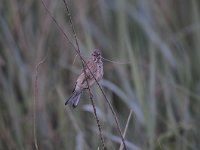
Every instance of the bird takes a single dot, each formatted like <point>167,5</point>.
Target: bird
<point>95,66</point>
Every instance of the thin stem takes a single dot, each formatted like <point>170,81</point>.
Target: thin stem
<point>34,102</point>
<point>97,119</point>
<point>115,62</point>
<point>72,25</point>
<point>126,127</point>
<point>91,98</point>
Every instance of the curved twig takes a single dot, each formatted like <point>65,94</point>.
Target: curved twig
<point>34,101</point>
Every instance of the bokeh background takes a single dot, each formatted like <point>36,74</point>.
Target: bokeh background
<point>154,86</point>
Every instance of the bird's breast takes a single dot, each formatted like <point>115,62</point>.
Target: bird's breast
<point>99,74</point>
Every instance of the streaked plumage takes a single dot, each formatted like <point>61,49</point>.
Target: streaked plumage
<point>96,67</point>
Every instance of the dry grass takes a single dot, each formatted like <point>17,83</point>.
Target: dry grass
<point>160,84</point>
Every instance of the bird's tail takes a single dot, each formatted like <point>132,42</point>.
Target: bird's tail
<point>74,99</point>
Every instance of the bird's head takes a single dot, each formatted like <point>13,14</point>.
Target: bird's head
<point>96,55</point>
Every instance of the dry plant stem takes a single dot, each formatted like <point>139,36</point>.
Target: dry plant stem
<point>97,119</point>
<point>90,93</point>
<point>113,112</point>
<point>60,28</point>
<point>126,127</point>
<point>34,102</point>
<point>73,29</point>
<point>83,61</point>
<point>74,59</point>
<point>115,62</point>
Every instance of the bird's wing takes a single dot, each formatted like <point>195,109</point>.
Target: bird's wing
<point>74,87</point>
<point>93,69</point>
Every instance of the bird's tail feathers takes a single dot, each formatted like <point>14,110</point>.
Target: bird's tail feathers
<point>74,99</point>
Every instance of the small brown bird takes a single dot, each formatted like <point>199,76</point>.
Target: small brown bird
<point>96,67</point>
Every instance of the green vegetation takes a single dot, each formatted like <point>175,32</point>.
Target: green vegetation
<point>159,84</point>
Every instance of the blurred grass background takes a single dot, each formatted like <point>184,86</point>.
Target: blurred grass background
<point>159,87</point>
